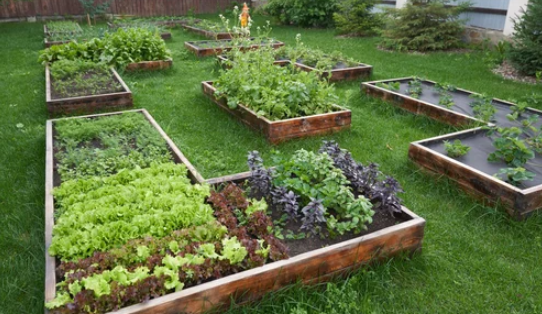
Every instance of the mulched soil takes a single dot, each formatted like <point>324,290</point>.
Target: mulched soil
<point>507,71</point>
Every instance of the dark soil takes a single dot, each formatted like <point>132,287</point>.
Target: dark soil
<point>112,87</point>
<point>381,220</point>
<point>507,71</point>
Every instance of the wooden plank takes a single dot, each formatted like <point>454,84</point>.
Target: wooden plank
<point>87,104</point>
<point>283,130</point>
<point>204,52</point>
<point>149,65</point>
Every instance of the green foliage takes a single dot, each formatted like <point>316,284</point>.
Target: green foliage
<point>456,149</point>
<point>106,145</point>
<point>393,86</point>
<point>482,107</point>
<point>94,8</point>
<point>357,17</point>
<point>515,175</point>
<point>99,213</point>
<point>313,176</point>
<point>117,49</point>
<point>81,78</point>
<point>424,25</point>
<point>274,92</point>
<point>511,148</point>
<point>526,52</point>
<point>63,27</point>
<point>415,89</point>
<point>307,13</point>
<point>445,97</point>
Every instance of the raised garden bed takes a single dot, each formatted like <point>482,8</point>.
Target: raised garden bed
<point>207,33</point>
<point>341,71</point>
<point>460,114</point>
<point>223,61</point>
<point>475,174</point>
<point>54,178</point>
<point>57,103</point>
<point>312,259</point>
<point>215,47</point>
<point>163,33</point>
<point>47,43</point>
<point>149,65</point>
<point>279,131</point>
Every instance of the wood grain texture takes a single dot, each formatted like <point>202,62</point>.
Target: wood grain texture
<point>283,130</point>
<point>149,65</point>
<point>55,8</point>
<point>50,262</point>
<point>519,203</point>
<point>87,104</point>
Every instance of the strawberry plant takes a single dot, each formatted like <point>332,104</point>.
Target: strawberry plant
<point>456,149</point>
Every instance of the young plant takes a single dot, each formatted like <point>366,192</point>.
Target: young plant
<point>456,149</point>
<point>393,86</point>
<point>517,110</point>
<point>482,107</point>
<point>446,100</point>
<point>515,176</point>
<point>511,148</point>
<point>415,87</point>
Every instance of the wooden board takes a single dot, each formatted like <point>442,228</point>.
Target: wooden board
<point>222,60</point>
<point>346,74</point>
<point>149,65</point>
<point>87,104</point>
<point>519,203</point>
<point>283,130</point>
<point>195,47</point>
<point>50,263</point>
<point>312,267</point>
<point>207,33</point>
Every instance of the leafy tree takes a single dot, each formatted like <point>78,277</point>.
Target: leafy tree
<point>425,25</point>
<point>526,52</point>
<point>92,8</point>
<point>356,17</point>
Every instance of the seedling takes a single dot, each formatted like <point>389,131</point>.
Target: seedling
<point>482,107</point>
<point>515,176</point>
<point>456,149</point>
<point>393,86</point>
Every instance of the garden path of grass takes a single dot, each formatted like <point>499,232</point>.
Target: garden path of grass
<point>475,259</point>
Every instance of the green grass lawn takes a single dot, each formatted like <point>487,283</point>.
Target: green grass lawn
<point>475,259</point>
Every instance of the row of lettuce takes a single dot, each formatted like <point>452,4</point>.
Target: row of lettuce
<point>131,226</point>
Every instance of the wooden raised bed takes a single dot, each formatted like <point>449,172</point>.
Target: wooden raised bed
<point>207,33</point>
<point>165,35</point>
<point>312,267</point>
<point>459,115</point>
<point>341,73</point>
<point>222,59</point>
<point>474,173</point>
<point>48,43</point>
<point>87,104</point>
<point>149,65</point>
<point>50,262</point>
<point>196,47</point>
<point>283,130</point>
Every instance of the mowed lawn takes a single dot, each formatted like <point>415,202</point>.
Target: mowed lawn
<point>475,258</point>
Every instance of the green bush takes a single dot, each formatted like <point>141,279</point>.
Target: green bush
<point>526,53</point>
<point>356,17</point>
<point>424,25</point>
<point>306,13</point>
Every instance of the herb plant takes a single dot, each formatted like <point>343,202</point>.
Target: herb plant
<point>456,149</point>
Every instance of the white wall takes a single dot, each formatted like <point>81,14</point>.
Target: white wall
<point>515,9</point>
<point>400,3</point>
